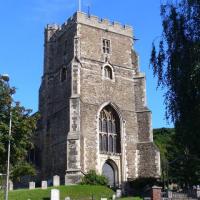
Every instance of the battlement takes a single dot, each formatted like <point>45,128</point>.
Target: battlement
<point>53,26</point>
<point>105,24</point>
<point>94,21</point>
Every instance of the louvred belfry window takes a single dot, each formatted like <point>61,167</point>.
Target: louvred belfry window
<point>109,131</point>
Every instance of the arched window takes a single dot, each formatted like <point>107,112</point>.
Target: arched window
<point>108,72</point>
<point>109,131</point>
<point>63,74</point>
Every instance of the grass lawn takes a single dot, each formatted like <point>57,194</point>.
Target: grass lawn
<point>75,192</point>
<point>131,198</point>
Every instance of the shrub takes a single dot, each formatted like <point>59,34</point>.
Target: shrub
<point>92,178</point>
<point>142,185</point>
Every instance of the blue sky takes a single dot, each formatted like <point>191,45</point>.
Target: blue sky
<point>21,38</point>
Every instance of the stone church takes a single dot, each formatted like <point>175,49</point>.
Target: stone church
<point>92,102</point>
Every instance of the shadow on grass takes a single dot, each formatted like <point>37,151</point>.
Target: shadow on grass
<point>46,198</point>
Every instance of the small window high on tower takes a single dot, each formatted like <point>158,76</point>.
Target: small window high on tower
<point>108,72</point>
<point>106,46</point>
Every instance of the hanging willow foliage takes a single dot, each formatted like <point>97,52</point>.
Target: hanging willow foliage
<point>176,64</point>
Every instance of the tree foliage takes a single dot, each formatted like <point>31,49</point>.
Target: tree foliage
<point>23,126</point>
<point>164,140</point>
<point>177,66</point>
<point>92,178</point>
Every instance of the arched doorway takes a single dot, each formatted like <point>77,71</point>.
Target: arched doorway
<point>110,171</point>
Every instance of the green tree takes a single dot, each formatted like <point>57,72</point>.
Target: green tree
<point>170,153</point>
<point>177,66</point>
<point>163,138</point>
<point>23,126</point>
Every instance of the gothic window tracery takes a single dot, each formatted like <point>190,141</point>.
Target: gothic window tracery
<point>109,131</point>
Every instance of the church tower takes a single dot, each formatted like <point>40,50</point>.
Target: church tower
<point>92,102</point>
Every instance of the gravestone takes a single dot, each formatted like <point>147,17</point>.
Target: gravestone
<point>31,185</point>
<point>104,199</point>
<point>55,194</point>
<point>67,198</point>
<point>118,193</point>
<point>44,185</point>
<point>10,185</point>
<point>113,197</point>
<point>56,181</point>
<point>198,192</point>
<point>169,194</point>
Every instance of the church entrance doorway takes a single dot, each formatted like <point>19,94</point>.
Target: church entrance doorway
<point>110,171</point>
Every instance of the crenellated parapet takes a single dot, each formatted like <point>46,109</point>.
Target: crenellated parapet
<point>105,24</point>
<point>89,20</point>
<point>53,27</point>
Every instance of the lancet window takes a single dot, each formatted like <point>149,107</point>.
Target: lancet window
<point>63,74</point>
<point>108,72</point>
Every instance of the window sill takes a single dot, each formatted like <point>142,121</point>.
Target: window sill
<point>110,153</point>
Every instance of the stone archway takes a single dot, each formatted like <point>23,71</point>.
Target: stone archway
<point>110,170</point>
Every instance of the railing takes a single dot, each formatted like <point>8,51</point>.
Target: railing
<point>172,195</point>
<point>183,195</point>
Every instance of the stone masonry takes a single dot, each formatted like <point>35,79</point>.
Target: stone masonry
<point>76,87</point>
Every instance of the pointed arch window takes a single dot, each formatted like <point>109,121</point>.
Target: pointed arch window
<point>63,74</point>
<point>109,131</point>
<point>108,72</point>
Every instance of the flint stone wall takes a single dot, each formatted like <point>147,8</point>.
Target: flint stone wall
<point>68,132</point>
